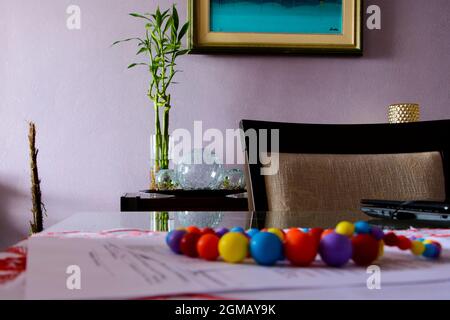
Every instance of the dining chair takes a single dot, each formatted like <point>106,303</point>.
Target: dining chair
<point>328,168</point>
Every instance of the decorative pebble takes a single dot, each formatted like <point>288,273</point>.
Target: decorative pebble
<point>221,231</point>
<point>188,244</point>
<point>362,227</point>
<point>417,247</point>
<point>345,228</point>
<point>278,232</point>
<point>365,249</point>
<point>335,249</point>
<point>377,233</point>
<point>173,239</point>
<point>266,248</point>
<point>233,247</point>
<point>252,232</point>
<point>390,239</point>
<point>207,246</point>
<point>300,248</point>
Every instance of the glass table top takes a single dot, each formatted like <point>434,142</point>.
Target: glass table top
<point>166,221</point>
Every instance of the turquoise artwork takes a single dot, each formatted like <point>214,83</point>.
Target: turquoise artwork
<point>277,16</point>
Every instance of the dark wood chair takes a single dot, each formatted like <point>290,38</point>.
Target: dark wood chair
<point>333,167</point>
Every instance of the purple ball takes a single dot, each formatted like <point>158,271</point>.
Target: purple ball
<point>377,233</point>
<point>173,240</point>
<point>335,249</point>
<point>220,232</point>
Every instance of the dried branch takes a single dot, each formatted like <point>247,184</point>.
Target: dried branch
<point>38,207</point>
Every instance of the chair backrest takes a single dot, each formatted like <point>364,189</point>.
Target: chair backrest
<point>333,167</point>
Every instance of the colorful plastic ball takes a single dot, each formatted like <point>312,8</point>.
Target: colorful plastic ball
<point>317,234</point>
<point>207,230</point>
<point>221,231</point>
<point>431,251</point>
<point>207,246</point>
<point>404,243</point>
<point>335,249</point>
<point>365,249</point>
<point>188,244</point>
<point>428,241</point>
<point>233,247</point>
<point>390,239</point>
<point>266,248</point>
<point>237,229</point>
<point>345,228</point>
<point>252,232</point>
<point>300,248</point>
<point>362,227</point>
<point>193,229</point>
<point>278,232</point>
<point>173,240</point>
<point>377,233</point>
<point>417,247</point>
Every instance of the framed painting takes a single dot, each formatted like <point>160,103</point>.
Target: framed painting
<point>268,26</point>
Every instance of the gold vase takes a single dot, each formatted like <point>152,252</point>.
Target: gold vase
<point>404,113</point>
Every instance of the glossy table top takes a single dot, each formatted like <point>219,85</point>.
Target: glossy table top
<point>98,221</point>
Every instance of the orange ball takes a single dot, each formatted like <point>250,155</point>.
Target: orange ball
<point>300,248</point>
<point>207,247</point>
<point>193,229</point>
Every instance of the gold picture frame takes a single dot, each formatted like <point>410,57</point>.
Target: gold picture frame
<point>202,40</point>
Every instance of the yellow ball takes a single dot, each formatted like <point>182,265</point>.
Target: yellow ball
<point>345,228</point>
<point>277,232</point>
<point>381,249</point>
<point>233,247</point>
<point>427,242</point>
<point>417,247</point>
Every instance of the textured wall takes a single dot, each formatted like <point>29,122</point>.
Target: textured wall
<point>94,119</point>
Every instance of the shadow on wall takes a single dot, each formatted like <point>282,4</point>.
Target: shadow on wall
<point>9,198</point>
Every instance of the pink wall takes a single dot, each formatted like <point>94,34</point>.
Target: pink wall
<point>94,119</point>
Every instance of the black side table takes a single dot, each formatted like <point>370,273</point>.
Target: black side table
<point>158,202</point>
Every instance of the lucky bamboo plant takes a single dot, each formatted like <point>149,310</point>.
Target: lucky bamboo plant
<point>162,44</point>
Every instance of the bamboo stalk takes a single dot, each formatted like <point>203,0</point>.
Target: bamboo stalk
<point>37,224</point>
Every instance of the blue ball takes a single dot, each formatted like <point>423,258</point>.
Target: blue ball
<point>252,232</point>
<point>266,248</point>
<point>173,239</point>
<point>431,251</point>
<point>362,227</point>
<point>237,229</point>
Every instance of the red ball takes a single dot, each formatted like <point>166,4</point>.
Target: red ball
<point>207,247</point>
<point>193,229</point>
<point>316,233</point>
<point>365,249</point>
<point>188,244</point>
<point>403,243</point>
<point>326,232</point>
<point>390,239</point>
<point>207,230</point>
<point>300,248</point>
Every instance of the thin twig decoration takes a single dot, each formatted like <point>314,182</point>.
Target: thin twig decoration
<point>37,224</point>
